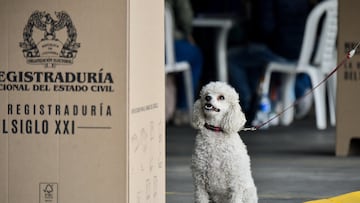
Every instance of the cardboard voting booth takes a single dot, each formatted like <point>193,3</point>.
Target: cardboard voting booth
<point>82,101</point>
<point>348,77</point>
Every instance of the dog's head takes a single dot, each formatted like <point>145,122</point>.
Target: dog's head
<point>218,106</point>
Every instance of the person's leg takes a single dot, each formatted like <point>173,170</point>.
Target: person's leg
<point>302,87</point>
<point>186,51</point>
<point>238,76</point>
<point>246,67</point>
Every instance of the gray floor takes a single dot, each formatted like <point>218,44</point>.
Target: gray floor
<point>290,164</point>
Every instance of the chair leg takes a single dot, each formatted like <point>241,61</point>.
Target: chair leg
<point>331,85</point>
<point>288,97</point>
<point>266,83</point>
<point>189,90</point>
<point>319,99</point>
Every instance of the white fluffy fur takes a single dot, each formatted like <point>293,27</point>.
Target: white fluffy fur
<point>220,163</point>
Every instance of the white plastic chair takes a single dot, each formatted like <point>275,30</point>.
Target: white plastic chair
<point>171,65</point>
<point>322,63</point>
<point>223,26</point>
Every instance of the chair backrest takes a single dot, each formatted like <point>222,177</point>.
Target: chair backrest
<point>325,53</point>
<point>169,38</point>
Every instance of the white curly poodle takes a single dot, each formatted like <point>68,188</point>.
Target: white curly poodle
<point>220,162</point>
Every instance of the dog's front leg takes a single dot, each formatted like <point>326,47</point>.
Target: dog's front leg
<point>250,195</point>
<point>236,197</point>
<point>246,196</point>
<point>201,195</point>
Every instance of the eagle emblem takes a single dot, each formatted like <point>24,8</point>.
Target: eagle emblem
<point>49,50</point>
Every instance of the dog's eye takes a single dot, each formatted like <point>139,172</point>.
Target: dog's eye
<point>221,97</point>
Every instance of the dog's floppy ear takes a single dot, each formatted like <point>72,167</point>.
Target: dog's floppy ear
<point>198,119</point>
<point>234,119</point>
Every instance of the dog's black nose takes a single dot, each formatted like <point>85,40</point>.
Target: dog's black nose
<point>208,98</point>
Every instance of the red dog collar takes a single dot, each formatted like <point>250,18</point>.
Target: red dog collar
<point>213,128</point>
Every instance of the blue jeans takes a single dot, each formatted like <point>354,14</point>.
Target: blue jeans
<point>246,67</point>
<point>302,84</point>
<point>185,51</point>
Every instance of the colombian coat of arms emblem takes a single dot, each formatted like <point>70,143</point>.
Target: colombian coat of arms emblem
<point>42,46</point>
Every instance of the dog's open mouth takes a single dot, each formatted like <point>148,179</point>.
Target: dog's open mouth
<point>210,107</point>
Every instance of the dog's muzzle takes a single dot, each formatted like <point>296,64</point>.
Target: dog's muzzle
<point>210,107</point>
